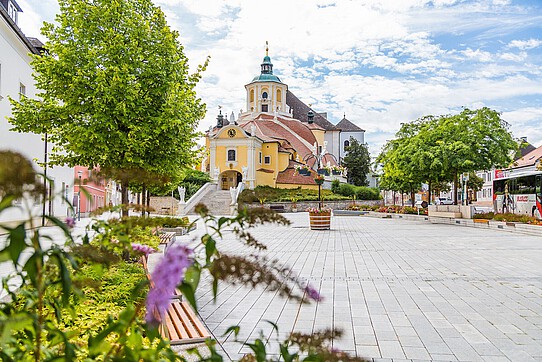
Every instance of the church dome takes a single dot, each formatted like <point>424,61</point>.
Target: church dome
<point>266,74</point>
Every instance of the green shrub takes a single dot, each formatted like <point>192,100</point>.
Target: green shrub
<point>271,194</point>
<point>485,216</point>
<point>347,190</point>
<point>367,193</point>
<point>335,185</point>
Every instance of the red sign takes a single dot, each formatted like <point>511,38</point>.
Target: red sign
<point>499,174</point>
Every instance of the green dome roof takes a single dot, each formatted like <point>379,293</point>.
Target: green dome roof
<point>267,59</point>
<point>266,78</point>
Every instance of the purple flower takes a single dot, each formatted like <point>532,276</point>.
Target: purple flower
<point>70,222</point>
<point>143,249</point>
<point>313,293</point>
<point>168,273</point>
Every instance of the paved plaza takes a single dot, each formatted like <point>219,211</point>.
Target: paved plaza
<point>400,290</point>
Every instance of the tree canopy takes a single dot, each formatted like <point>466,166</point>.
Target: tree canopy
<point>435,149</point>
<point>115,90</point>
<point>358,162</point>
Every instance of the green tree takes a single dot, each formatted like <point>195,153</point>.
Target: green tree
<point>358,162</point>
<point>436,149</point>
<point>115,91</point>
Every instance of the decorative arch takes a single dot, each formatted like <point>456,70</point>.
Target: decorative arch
<point>279,95</point>
<point>252,95</point>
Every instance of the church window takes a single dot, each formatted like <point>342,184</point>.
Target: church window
<point>265,108</point>
<point>252,95</point>
<point>231,155</point>
<point>264,95</point>
<point>267,160</point>
<point>346,143</point>
<point>279,95</point>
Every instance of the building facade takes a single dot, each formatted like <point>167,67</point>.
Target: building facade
<point>16,81</point>
<point>279,141</point>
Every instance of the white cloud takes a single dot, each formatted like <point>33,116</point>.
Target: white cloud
<point>381,62</point>
<point>525,44</point>
<point>478,55</point>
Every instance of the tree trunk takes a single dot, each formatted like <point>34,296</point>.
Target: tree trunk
<point>412,201</point>
<point>124,185</point>
<point>393,197</point>
<point>429,193</point>
<point>144,200</point>
<point>148,203</point>
<point>455,187</point>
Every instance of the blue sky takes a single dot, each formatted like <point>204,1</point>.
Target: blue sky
<point>380,62</point>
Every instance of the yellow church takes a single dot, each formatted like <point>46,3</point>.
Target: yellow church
<point>279,141</point>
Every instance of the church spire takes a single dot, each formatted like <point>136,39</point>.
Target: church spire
<point>267,66</point>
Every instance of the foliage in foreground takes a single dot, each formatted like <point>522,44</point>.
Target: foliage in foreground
<point>87,301</point>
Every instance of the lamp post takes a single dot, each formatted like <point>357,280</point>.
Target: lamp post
<point>79,173</point>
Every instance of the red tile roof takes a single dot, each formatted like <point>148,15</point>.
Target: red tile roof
<point>529,159</point>
<point>289,176</point>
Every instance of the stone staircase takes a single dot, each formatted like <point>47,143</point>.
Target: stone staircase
<point>217,201</point>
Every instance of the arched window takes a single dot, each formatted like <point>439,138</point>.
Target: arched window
<point>264,95</point>
<point>231,155</point>
<point>279,95</point>
<point>346,143</point>
<point>252,95</point>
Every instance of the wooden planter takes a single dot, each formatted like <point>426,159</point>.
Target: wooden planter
<point>320,221</point>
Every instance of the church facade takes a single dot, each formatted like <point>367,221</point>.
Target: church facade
<point>279,141</point>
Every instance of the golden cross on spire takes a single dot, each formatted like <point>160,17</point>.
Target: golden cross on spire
<point>266,48</point>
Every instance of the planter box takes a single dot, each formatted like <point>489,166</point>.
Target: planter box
<point>323,171</point>
<point>336,172</point>
<point>320,221</point>
<point>349,212</point>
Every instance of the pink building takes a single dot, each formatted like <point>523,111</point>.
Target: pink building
<point>92,190</point>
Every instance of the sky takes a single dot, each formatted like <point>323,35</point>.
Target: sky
<point>379,62</point>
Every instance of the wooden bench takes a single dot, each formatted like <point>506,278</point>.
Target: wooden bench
<point>166,237</point>
<point>277,208</point>
<point>181,325</point>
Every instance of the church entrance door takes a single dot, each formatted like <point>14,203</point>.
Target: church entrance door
<point>230,178</point>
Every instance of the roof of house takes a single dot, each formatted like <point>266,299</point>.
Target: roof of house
<point>529,159</point>
<point>290,133</point>
<point>526,148</point>
<point>4,14</point>
<point>290,176</point>
<point>5,4</point>
<point>347,126</point>
<point>300,110</point>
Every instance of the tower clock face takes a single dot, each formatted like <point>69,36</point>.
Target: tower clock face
<point>231,133</point>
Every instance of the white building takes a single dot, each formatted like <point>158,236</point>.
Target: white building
<point>16,80</point>
<point>348,130</point>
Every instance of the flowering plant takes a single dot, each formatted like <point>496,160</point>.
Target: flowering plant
<point>319,179</point>
<point>338,169</point>
<point>315,210</point>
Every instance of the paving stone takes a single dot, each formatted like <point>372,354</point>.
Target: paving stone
<point>468,294</point>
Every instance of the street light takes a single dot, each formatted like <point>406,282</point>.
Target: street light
<point>80,173</point>
<point>318,155</point>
